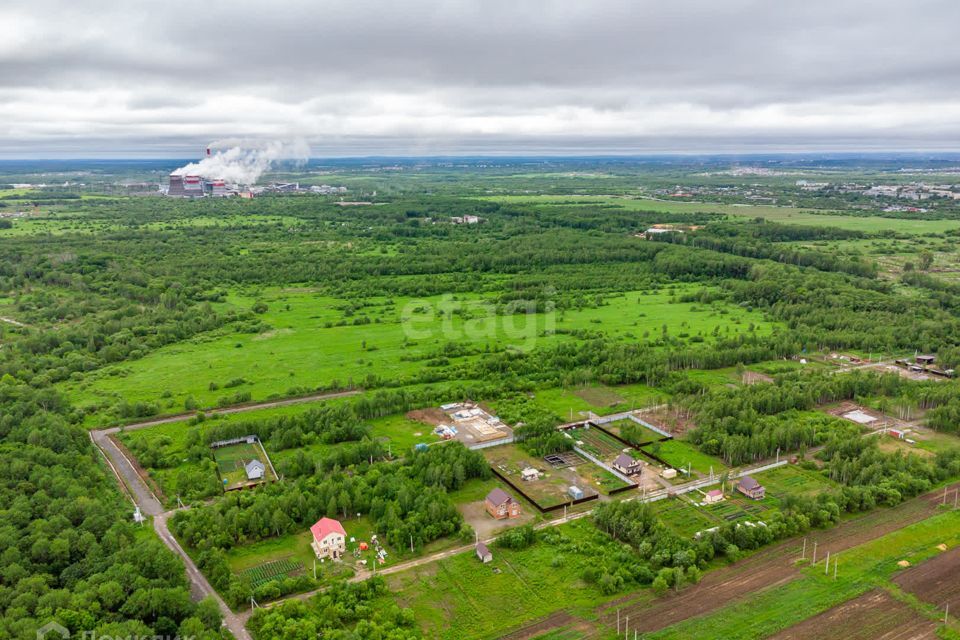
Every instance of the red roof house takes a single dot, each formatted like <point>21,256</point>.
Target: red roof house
<point>329,538</point>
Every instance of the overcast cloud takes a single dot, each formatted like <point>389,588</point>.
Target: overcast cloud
<point>87,78</point>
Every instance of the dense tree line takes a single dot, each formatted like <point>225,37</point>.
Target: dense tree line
<point>69,547</point>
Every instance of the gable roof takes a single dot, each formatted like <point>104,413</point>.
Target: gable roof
<point>624,460</point>
<point>255,464</point>
<point>326,526</point>
<point>482,549</point>
<point>498,497</point>
<point>715,492</point>
<point>749,483</point>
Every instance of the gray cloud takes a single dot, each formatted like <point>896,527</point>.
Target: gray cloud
<point>606,75</point>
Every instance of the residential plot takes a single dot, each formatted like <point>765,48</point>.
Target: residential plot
<point>685,518</point>
<point>793,480</point>
<point>681,455</point>
<point>243,464</point>
<point>552,487</point>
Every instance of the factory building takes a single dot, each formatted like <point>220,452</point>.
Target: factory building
<point>196,187</point>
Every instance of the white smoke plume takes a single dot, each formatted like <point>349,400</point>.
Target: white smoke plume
<point>244,161</point>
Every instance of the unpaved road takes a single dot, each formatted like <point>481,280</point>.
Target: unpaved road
<point>241,408</point>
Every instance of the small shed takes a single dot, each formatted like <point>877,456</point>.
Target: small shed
<point>713,497</point>
<point>255,470</point>
<point>483,553</point>
<point>575,492</point>
<point>669,474</point>
<point>926,360</point>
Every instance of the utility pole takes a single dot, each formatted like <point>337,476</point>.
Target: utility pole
<point>411,543</point>
<point>803,554</point>
<point>826,565</point>
<point>618,622</point>
<point>814,561</point>
<point>626,629</point>
<point>314,568</point>
<point>835,563</point>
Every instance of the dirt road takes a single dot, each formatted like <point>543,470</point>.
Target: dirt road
<point>241,408</point>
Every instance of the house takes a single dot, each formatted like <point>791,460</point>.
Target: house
<point>329,538</point>
<point>751,488</point>
<point>713,497</point>
<point>627,464</point>
<point>500,505</point>
<point>575,492</point>
<point>483,553</point>
<point>255,470</point>
<point>530,474</point>
<point>896,433</point>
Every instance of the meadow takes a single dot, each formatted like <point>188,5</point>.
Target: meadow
<point>313,341</point>
<point>786,215</point>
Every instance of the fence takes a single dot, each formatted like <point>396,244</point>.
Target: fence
<point>492,443</point>
<point>536,504</point>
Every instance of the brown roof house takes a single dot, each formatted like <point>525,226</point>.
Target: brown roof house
<point>628,464</point>
<point>500,505</point>
<point>751,488</point>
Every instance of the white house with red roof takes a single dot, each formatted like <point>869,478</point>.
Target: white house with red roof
<point>329,538</point>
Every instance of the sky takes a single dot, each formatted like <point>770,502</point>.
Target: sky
<point>87,78</point>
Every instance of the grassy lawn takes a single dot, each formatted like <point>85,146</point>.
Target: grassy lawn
<point>679,454</point>
<point>792,480</point>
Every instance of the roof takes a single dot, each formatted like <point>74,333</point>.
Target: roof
<point>498,497</point>
<point>749,483</point>
<point>326,526</point>
<point>482,549</point>
<point>714,493</point>
<point>624,460</point>
<point>255,464</point>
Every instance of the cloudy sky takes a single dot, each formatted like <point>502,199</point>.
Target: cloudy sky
<point>357,77</point>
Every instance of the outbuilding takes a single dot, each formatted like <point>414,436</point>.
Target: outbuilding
<point>255,470</point>
<point>483,553</point>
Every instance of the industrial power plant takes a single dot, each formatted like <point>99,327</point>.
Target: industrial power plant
<point>196,187</point>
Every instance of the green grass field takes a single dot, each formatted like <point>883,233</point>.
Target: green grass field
<point>786,215</point>
<point>679,454</point>
<point>305,348</point>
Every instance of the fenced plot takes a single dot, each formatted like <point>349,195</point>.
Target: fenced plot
<point>275,570</point>
<point>597,443</point>
<point>564,459</point>
<point>550,489</point>
<point>232,461</point>
<point>683,517</point>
